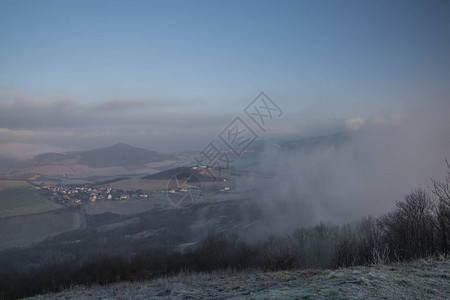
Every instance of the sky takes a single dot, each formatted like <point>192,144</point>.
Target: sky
<point>170,75</point>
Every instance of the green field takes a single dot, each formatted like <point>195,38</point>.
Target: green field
<point>20,198</point>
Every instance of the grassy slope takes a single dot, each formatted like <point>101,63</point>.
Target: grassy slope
<point>20,198</point>
<point>424,279</point>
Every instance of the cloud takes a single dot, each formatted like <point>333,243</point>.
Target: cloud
<point>60,122</point>
<point>124,103</point>
<point>17,134</point>
<point>383,160</point>
<point>22,112</point>
<point>19,111</point>
<point>355,124</point>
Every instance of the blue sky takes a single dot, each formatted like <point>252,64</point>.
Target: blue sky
<point>322,61</point>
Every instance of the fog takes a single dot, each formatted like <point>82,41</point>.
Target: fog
<point>374,164</point>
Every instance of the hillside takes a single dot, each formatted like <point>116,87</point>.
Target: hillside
<point>7,163</point>
<point>181,173</point>
<point>123,159</point>
<point>255,154</point>
<point>19,198</point>
<point>120,155</point>
<point>114,160</point>
<point>316,142</point>
<point>423,279</point>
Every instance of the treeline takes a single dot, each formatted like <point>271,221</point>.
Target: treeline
<point>418,227</point>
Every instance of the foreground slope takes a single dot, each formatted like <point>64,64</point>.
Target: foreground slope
<point>424,279</point>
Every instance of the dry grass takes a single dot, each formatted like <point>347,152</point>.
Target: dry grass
<point>424,279</point>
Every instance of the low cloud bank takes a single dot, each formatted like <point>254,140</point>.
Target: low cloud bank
<point>382,160</point>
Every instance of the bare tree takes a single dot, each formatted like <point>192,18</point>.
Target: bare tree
<point>443,227</point>
<point>442,210</point>
<point>410,229</point>
<point>315,245</point>
<point>345,250</point>
<point>442,188</point>
<point>369,238</point>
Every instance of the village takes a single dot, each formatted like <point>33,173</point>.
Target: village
<point>74,195</point>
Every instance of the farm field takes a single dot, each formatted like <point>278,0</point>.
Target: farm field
<point>20,231</point>
<point>11,184</point>
<point>139,184</point>
<point>20,198</point>
<point>162,184</point>
<point>124,207</point>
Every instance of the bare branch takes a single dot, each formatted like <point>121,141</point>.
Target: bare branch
<point>442,188</point>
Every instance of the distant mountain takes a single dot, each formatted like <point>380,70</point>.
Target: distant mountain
<point>121,155</point>
<point>122,159</point>
<point>118,155</point>
<point>7,163</point>
<point>117,159</point>
<point>254,155</point>
<point>182,173</point>
<point>315,142</point>
<point>50,157</point>
<point>301,144</point>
